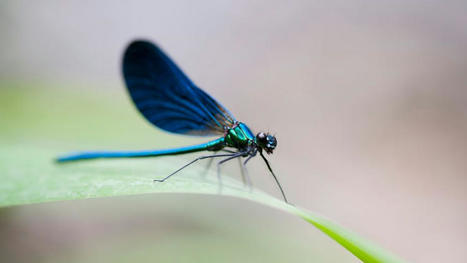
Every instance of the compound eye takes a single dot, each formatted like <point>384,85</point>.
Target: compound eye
<point>272,142</point>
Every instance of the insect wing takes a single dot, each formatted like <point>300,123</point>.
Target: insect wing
<point>166,97</point>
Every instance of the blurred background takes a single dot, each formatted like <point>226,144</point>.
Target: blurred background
<point>367,100</point>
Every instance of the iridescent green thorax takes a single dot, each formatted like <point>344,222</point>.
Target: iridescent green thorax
<point>239,136</point>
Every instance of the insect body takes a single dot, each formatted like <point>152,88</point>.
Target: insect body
<point>168,99</point>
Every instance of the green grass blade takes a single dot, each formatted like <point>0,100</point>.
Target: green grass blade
<point>29,175</point>
<point>35,118</point>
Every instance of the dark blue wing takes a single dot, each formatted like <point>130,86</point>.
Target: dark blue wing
<point>166,97</point>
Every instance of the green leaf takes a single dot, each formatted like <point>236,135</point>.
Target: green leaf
<point>29,175</point>
<point>35,123</point>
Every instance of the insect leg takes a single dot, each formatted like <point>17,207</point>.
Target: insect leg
<point>242,170</point>
<point>195,160</point>
<point>233,156</point>
<point>243,165</point>
<point>211,160</point>
<point>208,166</point>
<point>247,159</point>
<point>245,176</point>
<point>273,175</point>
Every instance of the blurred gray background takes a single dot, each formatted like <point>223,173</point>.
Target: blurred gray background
<point>367,99</point>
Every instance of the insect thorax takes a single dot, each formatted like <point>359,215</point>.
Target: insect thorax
<point>239,136</point>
